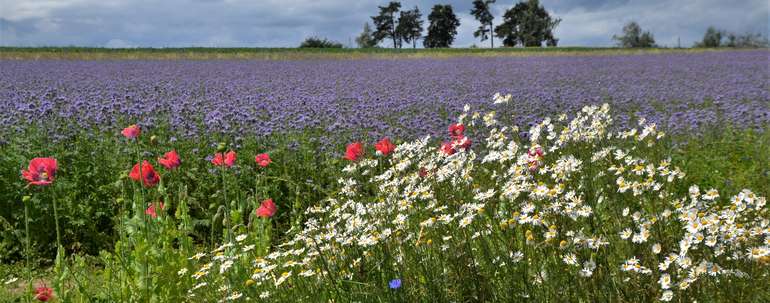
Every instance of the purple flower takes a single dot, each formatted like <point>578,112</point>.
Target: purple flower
<point>395,284</point>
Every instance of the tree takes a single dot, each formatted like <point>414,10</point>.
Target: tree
<point>410,26</point>
<point>365,39</point>
<point>316,42</point>
<point>385,23</point>
<point>481,12</point>
<point>529,24</point>
<point>634,37</point>
<point>712,38</point>
<point>442,28</point>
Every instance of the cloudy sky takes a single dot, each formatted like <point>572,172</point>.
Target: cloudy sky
<point>284,23</point>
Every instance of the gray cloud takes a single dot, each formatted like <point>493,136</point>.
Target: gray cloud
<point>284,23</point>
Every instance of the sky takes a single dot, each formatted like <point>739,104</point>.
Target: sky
<point>285,23</point>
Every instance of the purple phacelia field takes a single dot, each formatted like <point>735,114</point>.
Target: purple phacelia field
<point>397,98</point>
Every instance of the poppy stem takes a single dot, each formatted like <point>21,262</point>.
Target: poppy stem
<point>28,252</point>
<point>56,221</point>
<point>226,218</point>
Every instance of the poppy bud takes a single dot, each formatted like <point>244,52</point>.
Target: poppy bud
<point>221,147</point>
<point>26,199</point>
<point>153,140</point>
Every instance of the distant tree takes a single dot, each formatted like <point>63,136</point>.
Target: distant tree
<point>410,26</point>
<point>527,23</point>
<point>481,12</point>
<point>634,37</point>
<point>442,28</point>
<point>365,39</point>
<point>316,42</point>
<point>747,40</point>
<point>712,38</point>
<point>385,23</point>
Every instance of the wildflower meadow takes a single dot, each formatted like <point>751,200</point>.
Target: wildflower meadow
<point>593,178</point>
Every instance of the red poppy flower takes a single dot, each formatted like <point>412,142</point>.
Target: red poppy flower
<point>423,172</point>
<point>228,159</point>
<point>151,210</point>
<point>131,132</point>
<point>263,160</point>
<point>456,130</point>
<point>385,147</point>
<point>149,177</point>
<point>41,171</point>
<point>266,209</point>
<point>43,294</point>
<point>536,152</point>
<point>462,142</point>
<point>448,148</point>
<point>170,160</point>
<point>354,151</point>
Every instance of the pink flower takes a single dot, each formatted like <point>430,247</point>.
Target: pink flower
<point>151,210</point>
<point>354,151</point>
<point>170,160</point>
<point>227,159</point>
<point>263,160</point>
<point>266,209</point>
<point>41,171</point>
<point>43,294</point>
<point>131,132</point>
<point>462,142</point>
<point>385,147</point>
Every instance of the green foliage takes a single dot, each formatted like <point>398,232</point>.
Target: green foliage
<point>481,12</point>
<point>528,24</point>
<point>442,28</point>
<point>385,24</point>
<point>409,26</point>
<point>633,37</point>
<point>365,39</point>
<point>316,42</point>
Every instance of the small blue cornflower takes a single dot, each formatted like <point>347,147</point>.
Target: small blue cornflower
<point>395,284</point>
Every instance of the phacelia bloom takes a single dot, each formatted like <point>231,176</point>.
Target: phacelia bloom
<point>462,142</point>
<point>149,176</point>
<point>456,130</point>
<point>170,160</point>
<point>354,151</point>
<point>227,159</point>
<point>263,160</point>
<point>395,284</point>
<point>131,132</point>
<point>385,147</point>
<point>43,294</point>
<point>266,209</point>
<point>447,148</point>
<point>151,209</point>
<point>41,171</point>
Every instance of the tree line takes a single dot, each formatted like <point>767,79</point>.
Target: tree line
<point>527,23</point>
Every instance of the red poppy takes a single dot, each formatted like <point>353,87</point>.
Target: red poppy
<point>170,160</point>
<point>149,177</point>
<point>354,151</point>
<point>266,209</point>
<point>385,147</point>
<point>456,130</point>
<point>448,148</point>
<point>131,132</point>
<point>462,142</point>
<point>43,294</point>
<point>227,159</point>
<point>41,171</point>
<point>263,160</point>
<point>423,172</point>
<point>151,210</point>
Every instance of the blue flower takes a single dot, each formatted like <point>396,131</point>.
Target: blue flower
<point>395,284</point>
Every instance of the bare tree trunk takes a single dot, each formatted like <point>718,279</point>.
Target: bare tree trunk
<point>491,36</point>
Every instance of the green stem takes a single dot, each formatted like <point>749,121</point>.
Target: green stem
<point>26,233</point>
<point>228,234</point>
